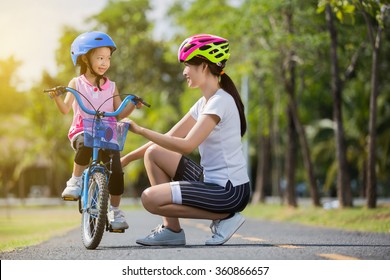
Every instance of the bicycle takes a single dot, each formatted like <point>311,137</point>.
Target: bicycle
<point>99,133</point>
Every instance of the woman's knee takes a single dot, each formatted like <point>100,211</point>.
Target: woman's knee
<point>149,200</point>
<point>152,152</point>
<point>153,198</point>
<point>163,159</point>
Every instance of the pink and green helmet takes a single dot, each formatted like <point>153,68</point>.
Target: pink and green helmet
<point>211,47</point>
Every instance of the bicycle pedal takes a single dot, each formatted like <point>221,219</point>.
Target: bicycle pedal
<point>70,199</point>
<point>121,230</point>
<point>117,230</point>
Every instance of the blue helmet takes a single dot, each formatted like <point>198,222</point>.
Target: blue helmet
<point>88,41</point>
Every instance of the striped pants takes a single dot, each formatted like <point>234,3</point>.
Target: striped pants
<point>189,189</point>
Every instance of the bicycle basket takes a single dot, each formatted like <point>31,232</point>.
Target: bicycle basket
<point>105,134</point>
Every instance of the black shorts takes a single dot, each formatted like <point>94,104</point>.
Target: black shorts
<point>83,157</point>
<point>189,189</point>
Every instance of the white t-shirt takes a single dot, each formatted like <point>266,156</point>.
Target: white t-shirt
<point>221,153</point>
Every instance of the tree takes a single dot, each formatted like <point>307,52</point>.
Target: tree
<point>369,10</point>
<point>12,106</point>
<point>343,180</point>
<point>12,100</point>
<point>289,77</point>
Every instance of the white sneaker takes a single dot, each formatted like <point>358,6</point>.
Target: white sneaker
<point>224,229</point>
<point>72,190</point>
<point>117,220</point>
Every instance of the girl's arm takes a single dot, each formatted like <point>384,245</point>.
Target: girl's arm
<point>199,131</point>
<point>180,130</point>
<point>117,102</point>
<point>64,105</point>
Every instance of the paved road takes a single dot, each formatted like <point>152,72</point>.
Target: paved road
<point>255,240</point>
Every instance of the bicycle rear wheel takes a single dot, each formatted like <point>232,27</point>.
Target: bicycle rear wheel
<point>94,216</point>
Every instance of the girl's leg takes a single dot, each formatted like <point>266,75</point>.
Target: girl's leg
<point>78,170</point>
<point>115,200</point>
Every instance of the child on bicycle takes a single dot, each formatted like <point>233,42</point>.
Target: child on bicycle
<point>218,188</point>
<point>92,52</point>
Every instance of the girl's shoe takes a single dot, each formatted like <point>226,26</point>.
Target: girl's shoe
<point>162,236</point>
<point>117,220</point>
<point>224,229</point>
<point>72,190</point>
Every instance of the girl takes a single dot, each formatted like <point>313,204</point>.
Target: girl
<point>92,51</point>
<point>217,189</point>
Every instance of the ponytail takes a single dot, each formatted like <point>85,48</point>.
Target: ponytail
<point>226,84</point>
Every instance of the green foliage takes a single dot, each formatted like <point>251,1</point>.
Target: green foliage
<point>344,10</point>
<point>260,42</point>
<point>12,100</point>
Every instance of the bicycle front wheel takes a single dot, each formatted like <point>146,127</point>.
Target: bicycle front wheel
<point>95,214</point>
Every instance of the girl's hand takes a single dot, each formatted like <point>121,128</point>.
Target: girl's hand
<point>53,94</point>
<point>139,105</point>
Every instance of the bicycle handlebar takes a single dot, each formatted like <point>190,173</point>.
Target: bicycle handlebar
<point>60,90</point>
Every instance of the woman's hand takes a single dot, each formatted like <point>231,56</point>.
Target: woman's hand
<point>133,127</point>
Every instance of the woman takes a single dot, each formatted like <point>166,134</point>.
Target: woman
<point>217,189</point>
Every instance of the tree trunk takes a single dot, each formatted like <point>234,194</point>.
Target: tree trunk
<point>288,74</point>
<point>344,193</point>
<point>291,158</point>
<point>263,174</point>
<point>306,154</point>
<point>371,160</point>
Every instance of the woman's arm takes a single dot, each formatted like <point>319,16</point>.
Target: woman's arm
<point>181,129</point>
<point>174,141</point>
<point>134,155</point>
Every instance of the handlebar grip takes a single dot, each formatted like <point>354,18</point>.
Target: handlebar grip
<point>144,102</point>
<point>137,99</point>
<point>59,90</point>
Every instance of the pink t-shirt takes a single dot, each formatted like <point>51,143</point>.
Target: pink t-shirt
<point>96,97</point>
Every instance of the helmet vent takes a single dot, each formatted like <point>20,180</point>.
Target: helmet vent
<point>205,47</point>
<point>188,47</point>
<point>98,39</point>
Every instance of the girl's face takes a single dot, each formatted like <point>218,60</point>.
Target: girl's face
<point>100,59</point>
<point>194,74</point>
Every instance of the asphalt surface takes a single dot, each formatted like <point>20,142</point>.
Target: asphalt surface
<point>255,240</point>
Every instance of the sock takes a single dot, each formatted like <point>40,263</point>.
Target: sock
<point>114,208</point>
<point>77,178</point>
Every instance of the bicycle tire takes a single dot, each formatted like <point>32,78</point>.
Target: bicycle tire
<point>93,220</point>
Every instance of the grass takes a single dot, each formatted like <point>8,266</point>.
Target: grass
<point>22,226</point>
<point>29,225</point>
<point>356,218</point>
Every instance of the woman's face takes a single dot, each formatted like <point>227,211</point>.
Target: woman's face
<point>194,74</point>
<point>100,59</point>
